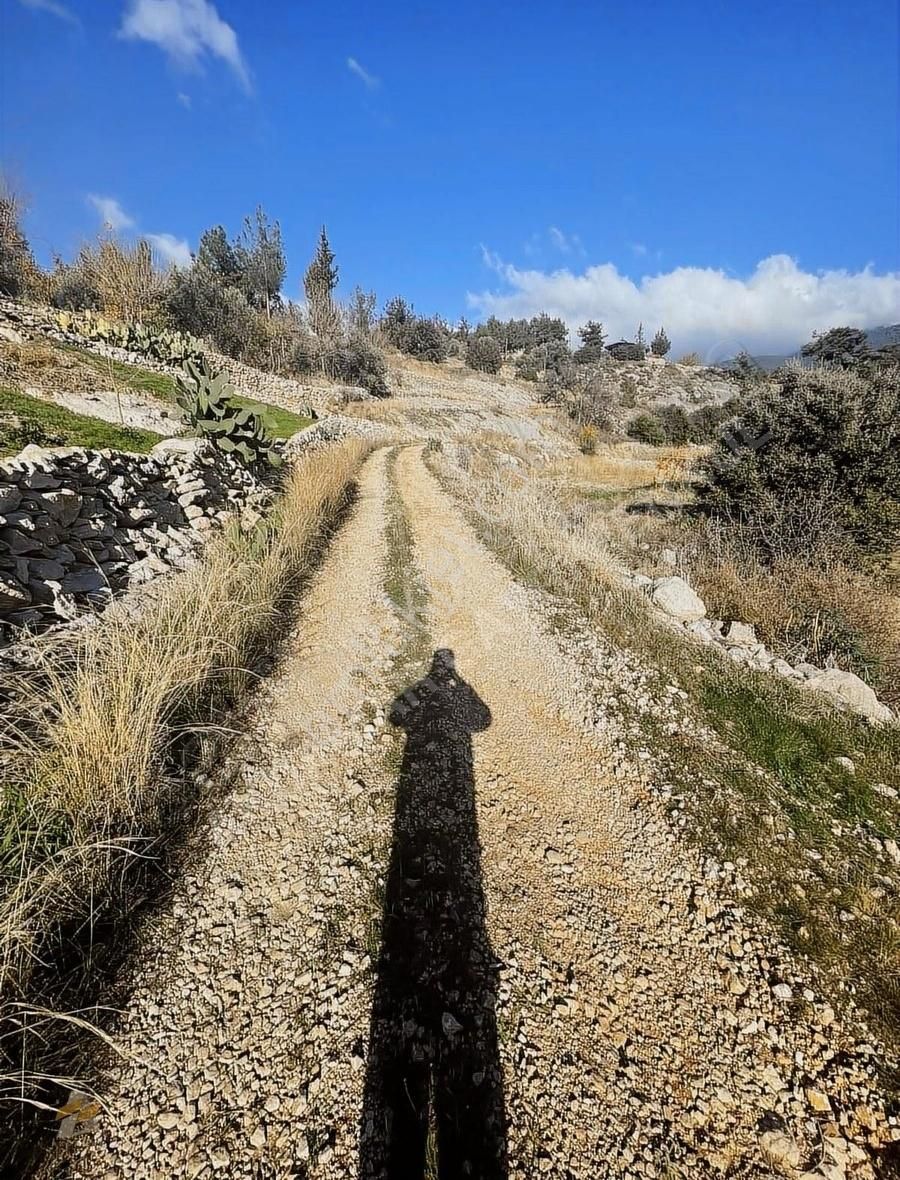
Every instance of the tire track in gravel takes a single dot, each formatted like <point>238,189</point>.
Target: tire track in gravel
<point>641,1032</point>
<point>241,1019</point>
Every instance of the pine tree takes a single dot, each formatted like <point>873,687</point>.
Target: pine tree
<point>661,343</point>
<point>593,337</point>
<point>319,283</point>
<point>219,256</point>
<point>261,257</point>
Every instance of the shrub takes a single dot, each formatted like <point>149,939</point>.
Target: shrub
<point>587,439</point>
<point>810,606</point>
<point>357,361</point>
<point>690,358</point>
<point>626,350</point>
<point>527,367</point>
<point>122,274</point>
<point>676,424</point>
<point>397,322</point>
<point>483,353</point>
<point>20,430</point>
<point>426,341</point>
<point>706,423</point>
<point>556,363</point>
<point>629,387</point>
<point>17,266</point>
<point>592,400</point>
<point>593,338</point>
<point>844,347</point>
<point>196,302</point>
<point>646,428</point>
<point>71,289</point>
<point>833,437</point>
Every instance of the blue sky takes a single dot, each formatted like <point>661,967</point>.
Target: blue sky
<point>731,169</point>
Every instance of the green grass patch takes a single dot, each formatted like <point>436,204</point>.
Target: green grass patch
<point>152,384</point>
<point>48,424</point>
<point>280,423</point>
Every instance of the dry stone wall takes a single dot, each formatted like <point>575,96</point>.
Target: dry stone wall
<point>28,320</point>
<point>77,525</point>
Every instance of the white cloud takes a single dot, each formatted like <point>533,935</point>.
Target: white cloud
<point>170,249</point>
<point>774,309</point>
<point>184,99</point>
<point>639,249</point>
<point>53,7</point>
<point>367,79</point>
<point>111,212</point>
<point>186,30</point>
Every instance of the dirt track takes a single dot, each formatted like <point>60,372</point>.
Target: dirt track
<point>560,987</point>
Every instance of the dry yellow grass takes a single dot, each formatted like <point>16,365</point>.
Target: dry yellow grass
<point>628,465</point>
<point>87,770</point>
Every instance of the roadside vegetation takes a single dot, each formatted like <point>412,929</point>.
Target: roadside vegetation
<point>101,745</point>
<point>755,779</point>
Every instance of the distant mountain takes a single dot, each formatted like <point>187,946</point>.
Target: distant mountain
<point>876,337</point>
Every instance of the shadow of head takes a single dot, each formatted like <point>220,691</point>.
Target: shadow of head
<point>441,700</point>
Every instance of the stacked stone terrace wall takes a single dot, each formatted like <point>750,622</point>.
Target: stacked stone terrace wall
<point>30,320</point>
<point>78,525</point>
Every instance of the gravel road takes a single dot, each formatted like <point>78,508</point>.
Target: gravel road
<point>442,927</point>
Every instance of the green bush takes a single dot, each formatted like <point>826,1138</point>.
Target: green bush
<point>832,438</point>
<point>628,399</point>
<point>676,424</point>
<point>357,361</point>
<point>20,430</point>
<point>426,341</point>
<point>593,338</point>
<point>483,353</point>
<point>647,428</point>
<point>527,366</point>
<point>843,347</point>
<point>707,422</point>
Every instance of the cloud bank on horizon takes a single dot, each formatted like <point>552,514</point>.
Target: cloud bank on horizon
<point>773,310</point>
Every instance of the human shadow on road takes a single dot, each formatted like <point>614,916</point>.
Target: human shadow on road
<point>433,1103</point>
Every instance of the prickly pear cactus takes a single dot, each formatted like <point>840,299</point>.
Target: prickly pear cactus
<point>207,399</point>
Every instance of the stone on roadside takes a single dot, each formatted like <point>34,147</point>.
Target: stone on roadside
<point>740,635</point>
<point>674,596</point>
<point>855,693</point>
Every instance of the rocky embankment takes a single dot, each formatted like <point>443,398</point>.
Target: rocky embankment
<point>677,600</point>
